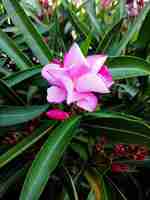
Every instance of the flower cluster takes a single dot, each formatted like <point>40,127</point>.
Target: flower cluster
<point>78,79</point>
<point>131,152</point>
<point>135,152</point>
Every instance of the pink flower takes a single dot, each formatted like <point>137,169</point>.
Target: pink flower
<point>77,79</point>
<point>105,3</point>
<point>57,114</point>
<point>78,2</point>
<point>134,7</point>
<point>44,3</point>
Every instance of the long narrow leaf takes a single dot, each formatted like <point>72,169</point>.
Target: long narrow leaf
<point>9,47</point>
<point>47,159</point>
<point>20,76</point>
<point>8,181</point>
<point>94,183</point>
<point>32,36</point>
<point>128,67</point>
<point>120,127</point>
<point>70,184</point>
<point>136,26</point>
<point>10,94</point>
<point>26,143</point>
<point>11,115</point>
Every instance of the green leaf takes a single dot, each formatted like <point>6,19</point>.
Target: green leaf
<point>121,9</point>
<point>109,38</point>
<point>27,142</point>
<point>23,75</point>
<point>144,33</point>
<point>113,185</point>
<point>86,44</point>
<point>32,36</point>
<point>81,149</point>
<point>11,178</point>
<point>132,30</point>
<point>70,184</point>
<point>47,159</point>
<point>2,69</point>
<point>11,115</point>
<point>120,127</point>
<point>9,47</point>
<point>94,182</point>
<point>106,193</point>
<point>10,94</point>
<point>91,196</point>
<point>76,22</point>
<point>90,7</point>
<point>128,67</point>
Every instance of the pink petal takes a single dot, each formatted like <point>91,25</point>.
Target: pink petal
<point>48,73</point>
<point>89,103</point>
<point>95,62</point>
<point>76,71</point>
<point>91,83</point>
<point>56,94</point>
<point>105,73</point>
<point>57,114</point>
<point>105,3</point>
<point>69,87</point>
<point>74,57</point>
<point>59,77</point>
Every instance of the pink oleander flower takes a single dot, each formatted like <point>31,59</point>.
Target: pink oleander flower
<point>105,3</point>
<point>77,2</point>
<point>77,79</point>
<point>134,7</point>
<point>57,114</point>
<point>45,3</point>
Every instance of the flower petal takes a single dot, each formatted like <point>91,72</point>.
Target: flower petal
<point>69,87</point>
<point>74,57</point>
<point>89,103</point>
<point>91,83</point>
<point>105,73</point>
<point>76,71</point>
<point>56,94</point>
<point>95,62</point>
<point>49,71</point>
<point>59,77</point>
